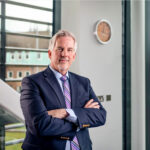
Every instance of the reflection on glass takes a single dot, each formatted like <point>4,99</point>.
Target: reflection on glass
<point>26,42</point>
<point>41,3</point>
<point>28,13</point>
<point>27,27</point>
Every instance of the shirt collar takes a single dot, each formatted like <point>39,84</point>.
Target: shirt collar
<point>58,74</point>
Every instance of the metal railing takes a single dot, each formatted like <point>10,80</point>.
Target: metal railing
<point>12,126</point>
<point>10,142</point>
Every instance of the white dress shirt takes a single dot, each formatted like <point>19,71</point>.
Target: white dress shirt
<point>71,117</point>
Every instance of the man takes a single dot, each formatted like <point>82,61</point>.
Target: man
<point>59,106</point>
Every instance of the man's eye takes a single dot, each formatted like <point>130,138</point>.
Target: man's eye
<point>59,49</point>
<point>70,50</point>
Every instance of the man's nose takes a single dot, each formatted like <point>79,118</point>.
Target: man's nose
<point>64,53</point>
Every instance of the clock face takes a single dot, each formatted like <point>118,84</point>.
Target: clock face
<point>103,31</point>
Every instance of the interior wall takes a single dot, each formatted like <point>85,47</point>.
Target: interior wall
<point>101,63</point>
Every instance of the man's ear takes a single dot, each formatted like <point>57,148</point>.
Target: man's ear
<point>74,56</point>
<point>49,53</point>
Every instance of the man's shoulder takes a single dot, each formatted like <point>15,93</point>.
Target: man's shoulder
<point>36,76</point>
<point>77,76</point>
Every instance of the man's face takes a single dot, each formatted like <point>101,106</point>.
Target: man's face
<point>63,54</point>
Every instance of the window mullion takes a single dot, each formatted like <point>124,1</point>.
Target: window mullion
<point>3,42</point>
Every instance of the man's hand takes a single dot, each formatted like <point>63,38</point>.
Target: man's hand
<point>91,104</point>
<point>58,113</point>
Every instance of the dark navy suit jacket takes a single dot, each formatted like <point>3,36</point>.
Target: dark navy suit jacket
<point>41,92</point>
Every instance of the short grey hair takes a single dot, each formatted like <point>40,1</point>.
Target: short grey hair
<point>61,33</point>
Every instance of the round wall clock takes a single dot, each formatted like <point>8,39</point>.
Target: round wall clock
<point>103,31</point>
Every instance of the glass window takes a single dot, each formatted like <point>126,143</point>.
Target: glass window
<point>12,56</point>
<point>10,74</point>
<point>41,3</point>
<point>28,27</point>
<point>26,42</point>
<point>27,73</point>
<point>19,74</point>
<point>28,13</point>
<point>28,31</point>
<point>27,55</point>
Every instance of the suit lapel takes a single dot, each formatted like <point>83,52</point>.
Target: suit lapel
<point>51,79</point>
<point>73,89</point>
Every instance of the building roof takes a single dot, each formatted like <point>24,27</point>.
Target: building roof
<point>10,110</point>
<point>7,117</point>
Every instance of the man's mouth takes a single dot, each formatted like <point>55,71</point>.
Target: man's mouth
<point>63,60</point>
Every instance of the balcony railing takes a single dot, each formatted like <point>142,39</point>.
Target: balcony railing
<point>2,135</point>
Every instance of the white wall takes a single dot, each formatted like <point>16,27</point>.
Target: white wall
<point>101,63</point>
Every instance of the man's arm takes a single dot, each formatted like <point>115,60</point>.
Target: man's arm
<point>92,104</point>
<point>69,114</point>
<point>36,115</point>
<point>63,114</point>
<point>58,113</point>
<point>92,114</point>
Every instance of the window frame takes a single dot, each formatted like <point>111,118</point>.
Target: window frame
<point>8,77</point>
<point>147,72</point>
<point>26,73</point>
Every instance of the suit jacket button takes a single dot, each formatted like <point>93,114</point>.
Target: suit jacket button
<point>85,125</point>
<point>64,138</point>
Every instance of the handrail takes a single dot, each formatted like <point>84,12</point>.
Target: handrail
<point>12,142</point>
<point>3,128</point>
<point>14,126</point>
